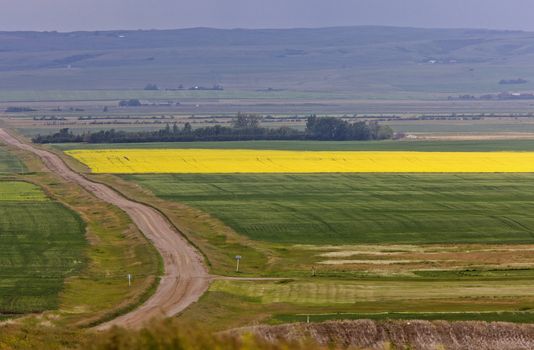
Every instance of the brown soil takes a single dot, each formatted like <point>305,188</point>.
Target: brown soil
<point>367,334</point>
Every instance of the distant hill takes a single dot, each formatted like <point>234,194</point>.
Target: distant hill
<point>381,61</point>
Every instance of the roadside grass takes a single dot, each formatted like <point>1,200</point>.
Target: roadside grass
<point>388,145</point>
<point>330,209</point>
<point>116,248</point>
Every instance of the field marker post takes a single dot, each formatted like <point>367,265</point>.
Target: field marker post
<point>129,280</point>
<point>237,258</point>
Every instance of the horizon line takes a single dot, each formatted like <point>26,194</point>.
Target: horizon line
<point>268,29</point>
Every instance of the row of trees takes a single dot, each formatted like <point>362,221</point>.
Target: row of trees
<point>245,127</point>
<point>330,128</point>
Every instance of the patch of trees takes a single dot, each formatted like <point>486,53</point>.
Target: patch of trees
<point>513,81</point>
<point>215,87</point>
<point>245,127</point>
<point>335,129</point>
<point>19,109</point>
<point>130,103</point>
<point>49,117</point>
<point>499,96</point>
<point>63,136</point>
<point>151,87</point>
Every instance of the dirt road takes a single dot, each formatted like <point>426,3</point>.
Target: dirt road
<point>185,278</point>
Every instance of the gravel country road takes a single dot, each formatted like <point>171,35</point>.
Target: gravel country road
<point>185,278</point>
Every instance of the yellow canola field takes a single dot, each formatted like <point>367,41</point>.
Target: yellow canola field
<point>265,161</point>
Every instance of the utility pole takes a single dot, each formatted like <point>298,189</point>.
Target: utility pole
<point>237,258</point>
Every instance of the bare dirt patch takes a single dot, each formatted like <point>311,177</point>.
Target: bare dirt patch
<point>367,334</point>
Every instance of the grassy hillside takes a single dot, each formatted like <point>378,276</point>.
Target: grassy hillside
<point>366,60</point>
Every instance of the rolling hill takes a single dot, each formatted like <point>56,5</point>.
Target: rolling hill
<point>383,61</point>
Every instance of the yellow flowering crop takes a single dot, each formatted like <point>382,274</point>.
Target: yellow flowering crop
<point>265,161</point>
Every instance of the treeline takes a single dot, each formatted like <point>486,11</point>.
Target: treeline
<point>245,127</point>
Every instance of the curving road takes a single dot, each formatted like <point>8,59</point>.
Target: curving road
<point>185,278</point>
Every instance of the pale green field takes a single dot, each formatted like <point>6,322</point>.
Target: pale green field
<point>348,292</point>
<point>21,191</point>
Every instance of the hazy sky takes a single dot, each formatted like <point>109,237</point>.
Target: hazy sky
<point>67,15</point>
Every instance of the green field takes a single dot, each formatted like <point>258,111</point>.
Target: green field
<point>327,292</point>
<point>121,94</point>
<point>499,316</point>
<point>480,127</point>
<point>361,209</point>
<point>41,243</point>
<point>231,302</point>
<point>423,146</point>
<point>8,162</point>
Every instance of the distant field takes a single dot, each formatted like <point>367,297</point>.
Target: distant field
<point>481,127</point>
<point>41,243</point>
<point>121,94</point>
<point>40,130</point>
<point>423,146</point>
<point>358,209</point>
<point>8,162</point>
